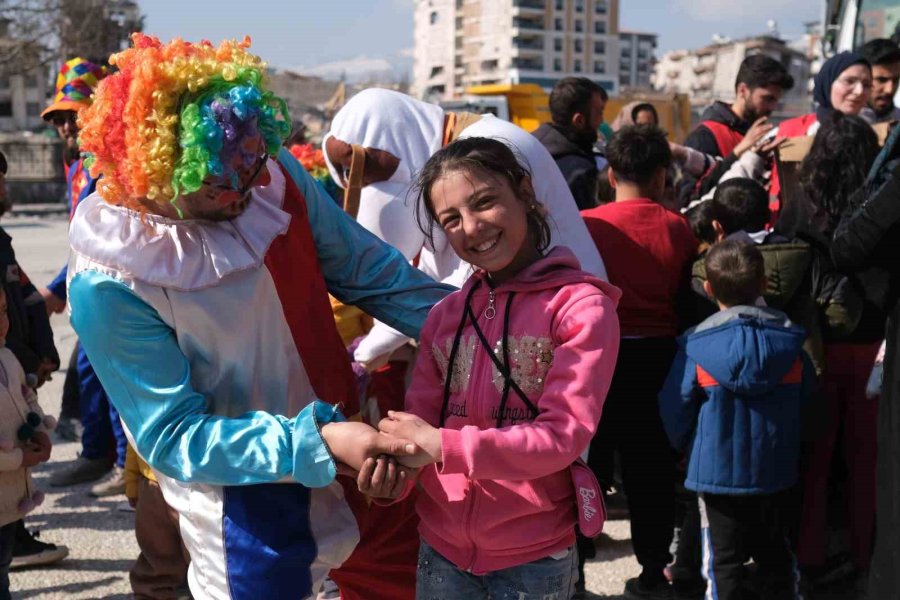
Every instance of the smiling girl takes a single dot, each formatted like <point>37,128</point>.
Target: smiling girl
<point>508,389</point>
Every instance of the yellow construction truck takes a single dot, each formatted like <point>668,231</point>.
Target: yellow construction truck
<point>527,105</point>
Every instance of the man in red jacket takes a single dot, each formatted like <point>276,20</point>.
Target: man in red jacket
<point>729,130</point>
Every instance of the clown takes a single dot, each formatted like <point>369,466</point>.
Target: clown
<point>396,135</point>
<point>198,285</point>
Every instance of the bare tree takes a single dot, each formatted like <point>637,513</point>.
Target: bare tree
<point>38,33</point>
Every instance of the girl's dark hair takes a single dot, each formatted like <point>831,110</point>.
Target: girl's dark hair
<point>645,106</point>
<point>471,155</point>
<point>837,164</point>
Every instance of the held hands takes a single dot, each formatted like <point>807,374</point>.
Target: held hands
<point>366,454</point>
<point>426,439</point>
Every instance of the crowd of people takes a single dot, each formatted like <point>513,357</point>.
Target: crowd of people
<point>428,382</point>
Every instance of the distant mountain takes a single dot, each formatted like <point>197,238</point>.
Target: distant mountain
<point>362,69</point>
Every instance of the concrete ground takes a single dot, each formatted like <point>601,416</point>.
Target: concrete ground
<point>98,533</point>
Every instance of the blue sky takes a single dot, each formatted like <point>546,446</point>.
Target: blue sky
<point>304,33</point>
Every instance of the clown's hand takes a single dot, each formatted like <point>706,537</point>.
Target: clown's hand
<point>351,443</point>
<point>383,477</point>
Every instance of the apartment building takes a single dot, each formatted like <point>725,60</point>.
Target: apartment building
<point>636,59</point>
<point>708,73</point>
<point>461,43</point>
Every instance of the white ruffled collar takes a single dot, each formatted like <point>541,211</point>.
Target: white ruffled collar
<point>185,255</point>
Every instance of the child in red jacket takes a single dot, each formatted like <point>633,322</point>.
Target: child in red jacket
<point>648,251</point>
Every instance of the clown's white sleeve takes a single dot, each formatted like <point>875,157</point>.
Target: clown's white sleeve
<point>384,339</point>
<point>361,269</point>
<point>148,379</point>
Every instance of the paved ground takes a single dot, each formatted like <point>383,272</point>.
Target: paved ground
<point>100,537</point>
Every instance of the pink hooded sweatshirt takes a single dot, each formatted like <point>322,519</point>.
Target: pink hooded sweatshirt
<point>504,497</point>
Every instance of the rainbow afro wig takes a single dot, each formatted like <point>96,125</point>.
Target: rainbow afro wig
<point>174,114</point>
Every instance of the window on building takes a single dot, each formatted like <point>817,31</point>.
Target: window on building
<point>579,5</point>
<point>558,24</point>
<point>560,4</point>
<point>599,26</point>
<point>5,108</point>
<point>558,44</point>
<point>433,17</point>
<point>435,71</point>
<point>577,66</point>
<point>599,67</point>
<point>557,64</point>
<point>600,7</point>
<point>600,47</point>
<point>579,45</point>
<point>33,109</point>
<point>579,25</point>
<point>31,80</point>
<point>4,83</point>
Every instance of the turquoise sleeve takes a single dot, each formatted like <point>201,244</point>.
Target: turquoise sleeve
<point>360,268</point>
<point>148,379</point>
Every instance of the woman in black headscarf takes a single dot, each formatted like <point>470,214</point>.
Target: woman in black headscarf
<point>843,84</point>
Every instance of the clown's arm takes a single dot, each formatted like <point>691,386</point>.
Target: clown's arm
<point>148,378</point>
<point>361,269</point>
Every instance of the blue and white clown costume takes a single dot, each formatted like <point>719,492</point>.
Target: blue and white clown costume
<point>193,328</point>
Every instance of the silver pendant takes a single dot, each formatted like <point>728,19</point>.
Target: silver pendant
<point>490,312</point>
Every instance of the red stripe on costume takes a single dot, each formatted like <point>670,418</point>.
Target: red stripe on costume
<point>383,565</point>
<point>294,264</point>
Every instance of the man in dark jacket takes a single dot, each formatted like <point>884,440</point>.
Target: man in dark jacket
<point>733,402</point>
<point>576,107</point>
<point>729,130</point>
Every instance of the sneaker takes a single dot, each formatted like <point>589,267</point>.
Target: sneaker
<point>29,552</point>
<point>636,588</point>
<point>82,470</point>
<point>111,485</point>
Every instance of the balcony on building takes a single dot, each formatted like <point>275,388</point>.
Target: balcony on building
<point>524,6</point>
<point>528,64</point>
<point>529,24</point>
<point>489,66</point>
<point>529,43</point>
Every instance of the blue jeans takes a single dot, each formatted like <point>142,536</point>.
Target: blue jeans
<point>7,535</point>
<point>98,415</point>
<point>544,579</point>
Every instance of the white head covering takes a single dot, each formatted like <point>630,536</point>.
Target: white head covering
<point>409,129</point>
<point>412,131</point>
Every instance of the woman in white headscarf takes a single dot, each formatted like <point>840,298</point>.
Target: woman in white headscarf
<point>399,134</point>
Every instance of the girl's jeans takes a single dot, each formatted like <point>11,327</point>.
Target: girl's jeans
<point>544,579</point>
<point>7,535</point>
